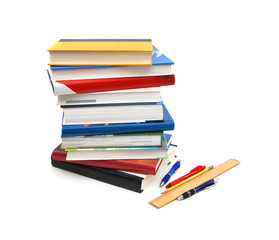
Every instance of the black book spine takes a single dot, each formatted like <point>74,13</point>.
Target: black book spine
<point>106,175</point>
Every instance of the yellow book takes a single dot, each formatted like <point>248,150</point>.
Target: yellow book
<point>101,52</point>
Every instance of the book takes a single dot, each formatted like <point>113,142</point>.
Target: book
<point>112,153</point>
<point>109,97</point>
<point>101,52</point>
<point>112,113</point>
<point>143,166</point>
<point>130,181</point>
<point>115,140</point>
<point>91,129</point>
<point>63,87</point>
<point>161,65</point>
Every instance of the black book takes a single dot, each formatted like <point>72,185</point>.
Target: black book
<point>111,176</point>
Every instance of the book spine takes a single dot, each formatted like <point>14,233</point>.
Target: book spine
<point>166,80</point>
<point>59,154</point>
<point>81,130</point>
<point>119,165</point>
<point>110,176</point>
<point>110,84</point>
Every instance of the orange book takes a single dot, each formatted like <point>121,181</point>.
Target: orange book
<point>101,52</point>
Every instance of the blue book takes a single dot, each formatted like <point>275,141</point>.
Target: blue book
<point>158,58</point>
<point>83,130</point>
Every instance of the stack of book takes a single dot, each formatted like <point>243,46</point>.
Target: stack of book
<point>113,115</point>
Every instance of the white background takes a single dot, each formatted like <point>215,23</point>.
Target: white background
<point>224,103</point>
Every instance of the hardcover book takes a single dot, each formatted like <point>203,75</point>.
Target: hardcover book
<point>158,58</point>
<point>112,113</point>
<point>142,95</point>
<point>101,52</point>
<point>93,153</point>
<point>63,87</point>
<point>130,181</point>
<point>161,65</point>
<point>91,129</point>
<point>115,140</point>
<point>143,166</point>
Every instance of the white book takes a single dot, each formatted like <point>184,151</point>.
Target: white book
<point>120,96</point>
<point>84,154</point>
<point>110,140</point>
<point>113,114</point>
<point>111,72</point>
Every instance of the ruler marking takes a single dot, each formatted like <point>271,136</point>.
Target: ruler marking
<point>175,193</point>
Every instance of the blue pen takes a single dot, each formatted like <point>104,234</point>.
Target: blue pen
<point>204,186</point>
<point>169,174</point>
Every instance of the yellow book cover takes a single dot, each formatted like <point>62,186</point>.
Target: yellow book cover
<point>111,45</point>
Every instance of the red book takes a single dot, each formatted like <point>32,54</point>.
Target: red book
<point>143,166</point>
<point>62,87</point>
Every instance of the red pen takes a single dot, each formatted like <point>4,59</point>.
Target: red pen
<point>191,173</point>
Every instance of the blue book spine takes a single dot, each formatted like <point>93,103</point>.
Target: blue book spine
<point>68,131</point>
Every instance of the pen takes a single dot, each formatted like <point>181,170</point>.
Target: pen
<point>188,179</point>
<point>169,174</point>
<point>204,186</point>
<point>191,173</point>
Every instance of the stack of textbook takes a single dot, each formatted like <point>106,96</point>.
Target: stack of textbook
<point>113,115</point>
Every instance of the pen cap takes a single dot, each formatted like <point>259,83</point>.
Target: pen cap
<point>205,185</point>
<point>198,168</point>
<point>211,183</point>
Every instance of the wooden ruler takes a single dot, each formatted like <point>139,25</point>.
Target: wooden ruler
<point>176,192</point>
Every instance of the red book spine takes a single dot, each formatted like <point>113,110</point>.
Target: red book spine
<point>58,154</point>
<point>110,84</point>
<point>120,165</point>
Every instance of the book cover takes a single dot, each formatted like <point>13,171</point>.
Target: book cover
<point>101,52</point>
<point>90,129</point>
<point>108,45</point>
